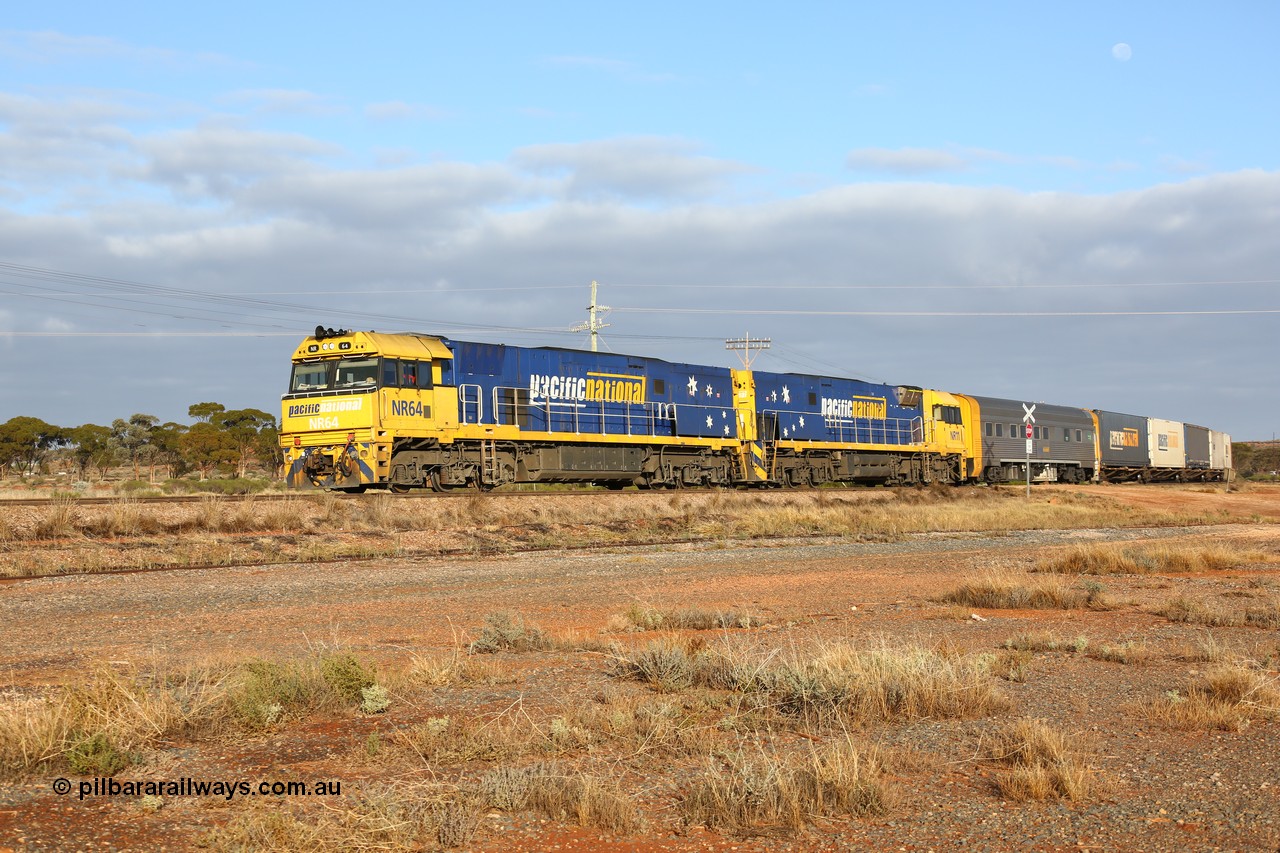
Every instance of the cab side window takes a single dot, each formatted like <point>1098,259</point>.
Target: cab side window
<point>415,374</point>
<point>389,377</point>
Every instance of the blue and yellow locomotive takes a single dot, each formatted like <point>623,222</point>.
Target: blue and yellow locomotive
<point>401,411</point>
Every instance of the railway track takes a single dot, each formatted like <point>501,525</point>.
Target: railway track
<point>417,493</point>
<point>292,496</point>
<point>502,493</point>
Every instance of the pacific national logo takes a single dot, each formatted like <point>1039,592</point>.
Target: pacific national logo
<point>857,407</point>
<point>324,407</point>
<point>1122,438</point>
<point>594,387</point>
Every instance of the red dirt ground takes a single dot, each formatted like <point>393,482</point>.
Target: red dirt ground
<point>1162,789</point>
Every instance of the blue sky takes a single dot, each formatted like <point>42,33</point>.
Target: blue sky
<point>470,169</point>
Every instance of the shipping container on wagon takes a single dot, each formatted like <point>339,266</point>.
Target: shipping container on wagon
<point>1219,450</point>
<point>1062,440</point>
<point>1122,440</point>
<point>1197,450</point>
<point>1166,443</point>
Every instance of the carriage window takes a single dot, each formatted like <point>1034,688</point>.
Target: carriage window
<point>1077,435</point>
<point>988,429</point>
<point>310,377</point>
<point>356,373</point>
<point>999,430</point>
<point>1013,430</point>
<point>1066,434</point>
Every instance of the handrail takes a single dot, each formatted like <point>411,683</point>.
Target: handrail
<point>654,418</point>
<point>899,431</point>
<point>464,401</point>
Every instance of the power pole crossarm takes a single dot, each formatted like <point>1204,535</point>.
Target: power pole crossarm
<point>594,324</point>
<point>747,348</point>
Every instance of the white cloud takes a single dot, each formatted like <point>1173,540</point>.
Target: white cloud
<point>637,167</point>
<point>921,161</point>
<point>905,161</point>
<point>215,161</point>
<point>47,46</point>
<point>219,209</point>
<point>402,111</point>
<point>283,102</point>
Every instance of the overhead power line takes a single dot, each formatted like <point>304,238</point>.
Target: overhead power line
<point>795,313</point>
<point>537,288</point>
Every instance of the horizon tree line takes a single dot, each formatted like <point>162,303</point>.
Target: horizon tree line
<point>219,440</point>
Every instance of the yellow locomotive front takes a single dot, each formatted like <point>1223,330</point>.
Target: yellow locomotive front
<point>350,395</point>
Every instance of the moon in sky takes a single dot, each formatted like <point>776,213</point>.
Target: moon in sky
<point>1122,52</point>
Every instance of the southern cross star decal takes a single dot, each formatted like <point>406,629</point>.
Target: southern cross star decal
<point>709,421</point>
<point>708,389</point>
<point>693,385</point>
<point>786,394</point>
<point>802,420</point>
<point>726,429</point>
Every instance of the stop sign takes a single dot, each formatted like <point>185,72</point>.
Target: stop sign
<point>1028,430</point>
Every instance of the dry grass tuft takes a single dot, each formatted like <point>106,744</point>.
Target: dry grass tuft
<point>1011,665</point>
<point>59,521</point>
<point>747,794</point>
<point>1045,641</point>
<point>1039,764</point>
<point>580,797</point>
<point>506,631</point>
<point>665,665</point>
<point>1228,698</point>
<point>456,740</point>
<point>107,721</point>
<point>646,727</point>
<point>1128,652</point>
<point>447,669</point>
<point>834,684</point>
<point>101,724</point>
<point>1010,591</point>
<point>644,618</point>
<point>1262,612</point>
<point>397,816</point>
<point>1122,559</point>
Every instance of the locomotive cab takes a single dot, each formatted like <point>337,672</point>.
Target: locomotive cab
<point>349,393</point>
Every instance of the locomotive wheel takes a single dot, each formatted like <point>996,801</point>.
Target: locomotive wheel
<point>398,488</point>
